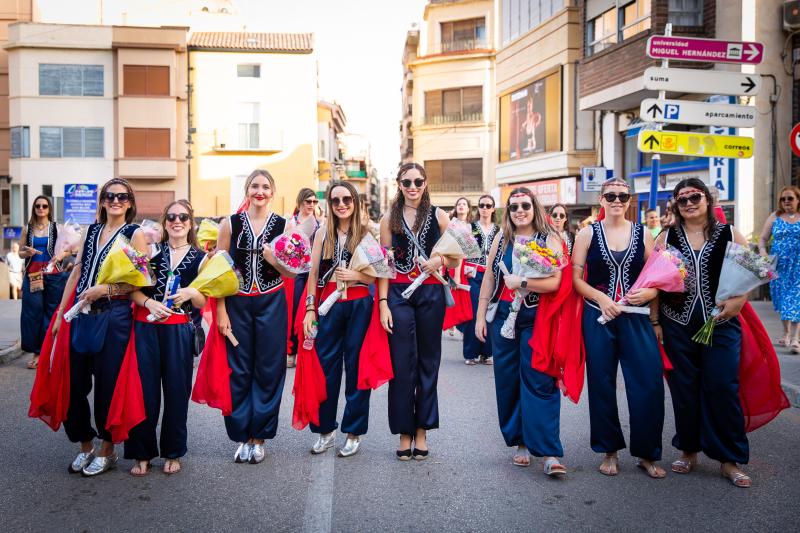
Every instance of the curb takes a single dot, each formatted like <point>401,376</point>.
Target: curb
<point>12,353</point>
<point>793,393</point>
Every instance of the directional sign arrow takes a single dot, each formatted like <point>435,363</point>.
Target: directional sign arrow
<point>654,110</point>
<point>698,113</point>
<point>752,53</point>
<point>695,144</point>
<point>748,84</point>
<point>651,140</point>
<point>704,50</point>
<point>686,80</point>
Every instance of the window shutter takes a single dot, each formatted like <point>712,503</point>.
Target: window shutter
<point>93,80</point>
<point>49,142</point>
<point>452,102</point>
<point>158,80</point>
<point>451,174</point>
<point>433,103</point>
<point>433,169</point>
<point>72,142</point>
<point>472,174</point>
<point>135,142</point>
<point>49,80</point>
<point>158,142</point>
<point>473,100</point>
<point>71,80</point>
<point>134,79</point>
<point>16,142</point>
<point>93,142</point>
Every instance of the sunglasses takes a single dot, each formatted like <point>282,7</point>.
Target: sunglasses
<point>183,217</point>
<point>311,201</point>
<point>694,198</point>
<point>525,206</point>
<point>41,206</point>
<point>782,199</point>
<point>418,182</point>
<point>612,197</point>
<point>346,201</point>
<point>121,197</point>
<point>558,216</point>
<point>486,206</point>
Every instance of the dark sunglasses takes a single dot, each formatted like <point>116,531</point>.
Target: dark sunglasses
<point>418,182</point>
<point>782,198</point>
<point>558,216</point>
<point>695,199</point>
<point>486,206</point>
<point>41,206</point>
<point>347,201</point>
<point>183,217</point>
<point>121,197</point>
<point>526,206</point>
<point>311,201</point>
<point>612,197</point>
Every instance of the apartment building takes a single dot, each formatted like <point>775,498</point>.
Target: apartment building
<point>331,122</point>
<point>88,103</point>
<point>450,79</point>
<point>544,139</point>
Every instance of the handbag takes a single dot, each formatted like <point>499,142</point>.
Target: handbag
<point>199,341</point>
<point>491,311</point>
<point>89,331</point>
<point>449,301</point>
<point>35,281</point>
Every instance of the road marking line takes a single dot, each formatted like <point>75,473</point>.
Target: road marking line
<point>317,514</point>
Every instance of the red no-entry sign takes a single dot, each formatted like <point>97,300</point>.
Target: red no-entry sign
<point>794,139</point>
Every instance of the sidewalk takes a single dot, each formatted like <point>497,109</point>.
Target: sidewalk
<point>9,330</point>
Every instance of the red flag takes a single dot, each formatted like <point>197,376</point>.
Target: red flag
<point>310,388</point>
<point>374,360</point>
<point>212,386</point>
<point>50,392</point>
<point>127,402</point>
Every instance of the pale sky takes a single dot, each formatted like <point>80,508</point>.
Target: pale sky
<point>358,44</point>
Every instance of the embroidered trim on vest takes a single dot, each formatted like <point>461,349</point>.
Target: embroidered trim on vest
<point>619,272</point>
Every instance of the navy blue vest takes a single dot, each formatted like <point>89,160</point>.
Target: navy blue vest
<point>327,266</point>
<point>187,269</point>
<point>404,250</point>
<point>246,250</point>
<point>532,298</point>
<point>613,276</point>
<point>702,274</point>
<point>94,254</point>
<point>484,242</point>
<point>52,235</point>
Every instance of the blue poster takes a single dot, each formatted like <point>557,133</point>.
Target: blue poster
<point>80,203</point>
<point>13,233</point>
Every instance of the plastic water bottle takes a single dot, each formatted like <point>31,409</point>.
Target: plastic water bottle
<point>308,342</point>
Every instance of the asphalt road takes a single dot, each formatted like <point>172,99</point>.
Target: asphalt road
<point>468,484</point>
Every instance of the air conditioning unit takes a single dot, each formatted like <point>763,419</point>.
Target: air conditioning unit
<point>791,15</point>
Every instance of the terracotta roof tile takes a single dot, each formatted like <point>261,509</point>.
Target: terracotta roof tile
<point>255,42</point>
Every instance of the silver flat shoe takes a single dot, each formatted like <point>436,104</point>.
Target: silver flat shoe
<point>257,453</point>
<point>351,446</point>
<point>100,465</point>
<point>80,462</point>
<point>243,453</point>
<point>323,443</point>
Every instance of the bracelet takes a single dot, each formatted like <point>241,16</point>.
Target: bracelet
<point>145,302</point>
<point>383,300</point>
<point>485,298</point>
<point>655,323</point>
<point>311,307</point>
<point>310,311</point>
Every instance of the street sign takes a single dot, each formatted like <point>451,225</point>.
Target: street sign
<point>80,203</point>
<point>721,170</point>
<point>699,113</point>
<point>13,233</point>
<point>794,139</point>
<point>704,50</point>
<point>695,144</point>
<point>686,80</point>
<point>592,178</point>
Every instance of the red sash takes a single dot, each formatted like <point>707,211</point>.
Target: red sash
<point>127,402</point>
<point>310,388</point>
<point>353,293</point>
<point>140,315</point>
<point>462,310</point>
<point>212,386</point>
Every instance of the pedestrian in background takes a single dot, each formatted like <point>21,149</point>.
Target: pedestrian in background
<point>462,211</point>
<point>256,318</point>
<point>782,229</point>
<point>485,230</point>
<point>305,210</point>
<point>414,325</point>
<point>100,337</point>
<point>42,288</point>
<point>612,253</point>
<point>704,382</point>
<point>342,330</point>
<point>528,401</point>
<point>165,342</point>
<point>653,222</point>
<point>558,218</point>
<point>16,264</point>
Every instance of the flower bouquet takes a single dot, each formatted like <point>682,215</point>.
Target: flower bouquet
<point>528,260</point>
<point>218,277</point>
<point>293,251</point>
<point>665,270</point>
<point>151,230</point>
<point>207,234</point>
<point>458,242</point>
<point>370,258</point>
<point>742,271</point>
<point>123,264</point>
<point>69,237</point>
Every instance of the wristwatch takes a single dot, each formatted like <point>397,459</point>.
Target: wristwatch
<point>310,299</point>
<point>524,284</point>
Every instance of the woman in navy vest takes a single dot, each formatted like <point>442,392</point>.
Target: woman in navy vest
<point>528,401</point>
<point>612,253</point>
<point>342,330</point>
<point>257,318</point>
<point>484,229</point>
<point>39,305</point>
<point>99,338</point>
<point>411,228</point>
<point>164,342</point>
<point>705,381</point>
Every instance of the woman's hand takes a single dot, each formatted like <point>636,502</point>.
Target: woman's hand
<point>432,265</point>
<point>345,274</point>
<point>731,307</point>
<point>93,294</point>
<point>308,322</point>
<point>480,329</point>
<point>157,309</point>
<point>269,257</point>
<point>223,323</point>
<point>513,282</point>
<point>659,333</point>
<point>470,272</point>
<point>28,251</point>
<point>386,316</point>
<point>183,295</point>
<point>608,307</point>
<point>57,323</point>
<point>641,296</point>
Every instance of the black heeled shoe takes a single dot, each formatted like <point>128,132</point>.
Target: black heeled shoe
<point>420,455</point>
<point>403,455</point>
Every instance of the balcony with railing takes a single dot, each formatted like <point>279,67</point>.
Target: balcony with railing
<point>458,46</point>
<point>455,186</point>
<point>453,118</point>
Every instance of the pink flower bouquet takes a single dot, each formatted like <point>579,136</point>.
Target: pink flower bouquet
<point>69,237</point>
<point>293,251</point>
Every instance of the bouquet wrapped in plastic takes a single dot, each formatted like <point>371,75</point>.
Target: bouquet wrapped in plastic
<point>293,251</point>
<point>218,277</point>
<point>123,264</point>
<point>69,237</point>
<point>665,270</point>
<point>369,258</point>
<point>207,234</point>
<point>151,230</point>
<point>742,271</point>
<point>457,242</point>
<point>528,260</point>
